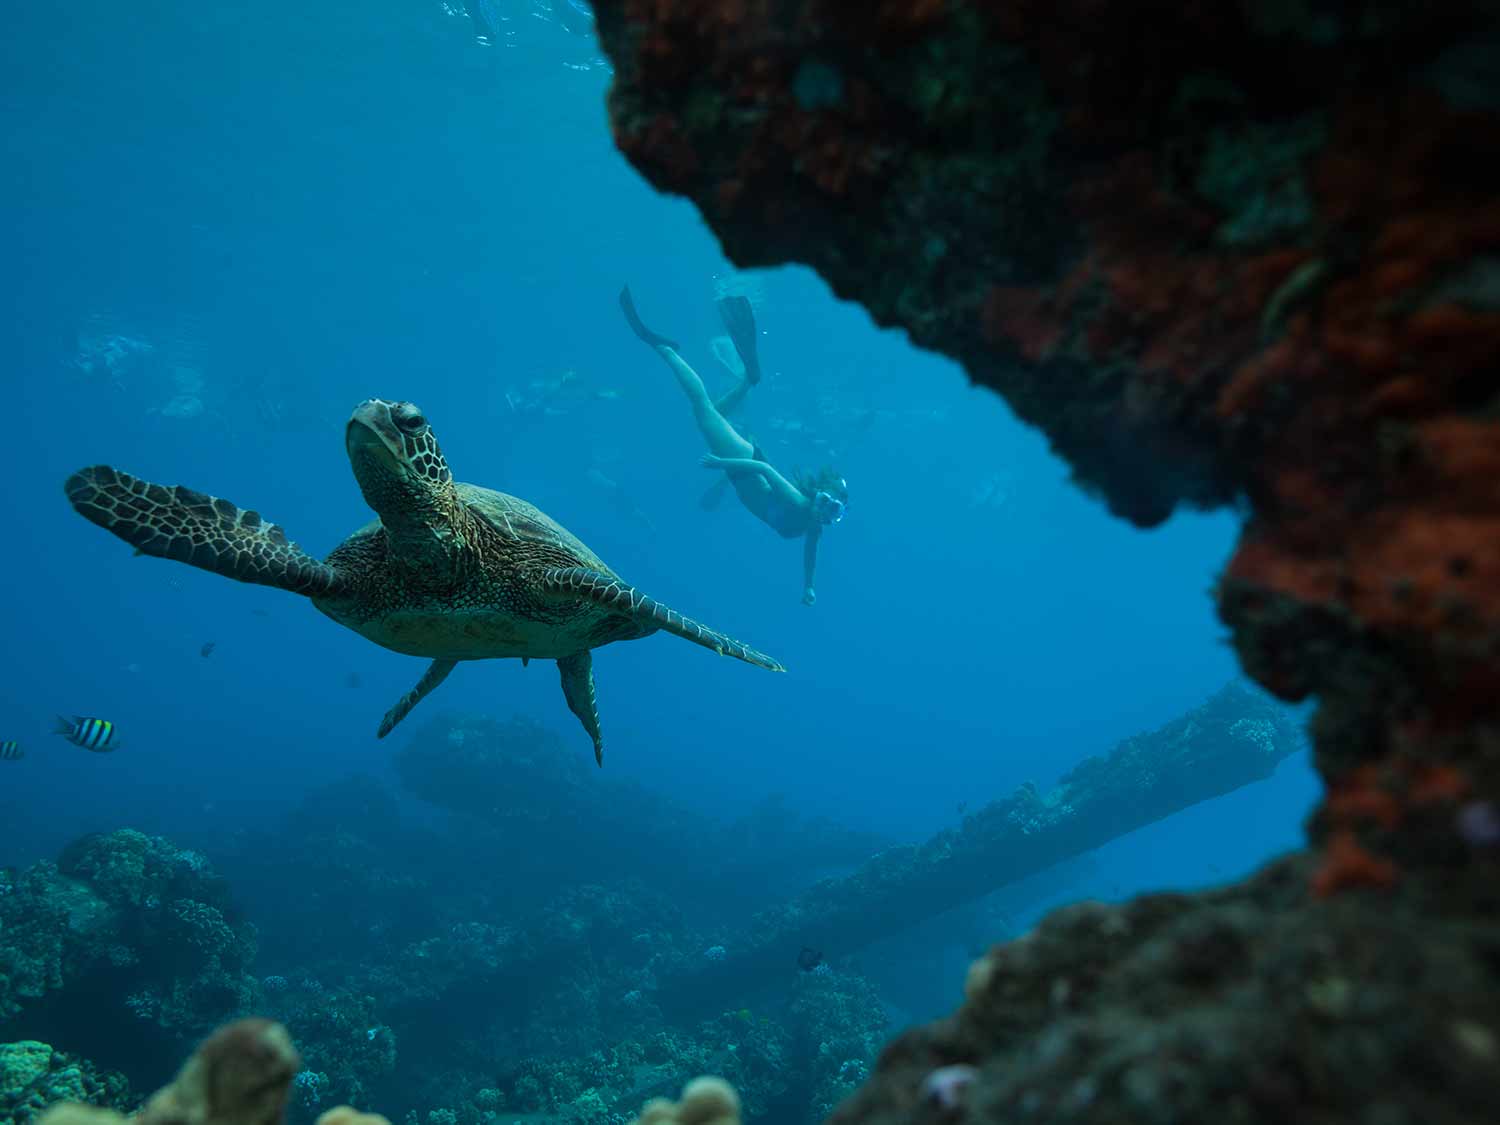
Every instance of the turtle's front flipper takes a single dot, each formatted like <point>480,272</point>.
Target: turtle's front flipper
<point>436,673</point>
<point>580,582</point>
<point>202,531</point>
<point>578,688</point>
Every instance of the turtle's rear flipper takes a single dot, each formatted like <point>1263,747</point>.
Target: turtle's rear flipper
<point>436,673</point>
<point>739,322</point>
<point>601,589</point>
<point>204,531</point>
<point>656,340</point>
<point>578,688</point>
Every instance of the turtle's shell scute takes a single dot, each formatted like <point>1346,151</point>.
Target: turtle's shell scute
<point>510,514</point>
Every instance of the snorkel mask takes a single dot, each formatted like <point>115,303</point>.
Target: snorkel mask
<point>830,508</point>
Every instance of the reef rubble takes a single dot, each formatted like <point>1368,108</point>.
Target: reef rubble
<point>1235,254</point>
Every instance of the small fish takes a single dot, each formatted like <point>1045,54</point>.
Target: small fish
<point>10,751</point>
<point>353,680</point>
<point>809,959</point>
<point>97,735</point>
<point>260,613</point>
<point>207,650</point>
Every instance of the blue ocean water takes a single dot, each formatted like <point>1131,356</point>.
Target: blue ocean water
<point>222,226</point>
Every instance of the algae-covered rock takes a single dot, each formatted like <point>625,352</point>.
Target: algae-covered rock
<point>33,1076</point>
<point>132,921</point>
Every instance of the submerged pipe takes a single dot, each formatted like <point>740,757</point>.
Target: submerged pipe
<point>1232,740</point>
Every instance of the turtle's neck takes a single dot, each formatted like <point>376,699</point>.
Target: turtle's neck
<point>436,533</point>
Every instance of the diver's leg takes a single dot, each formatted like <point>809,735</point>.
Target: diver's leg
<point>723,439</point>
<point>734,399</point>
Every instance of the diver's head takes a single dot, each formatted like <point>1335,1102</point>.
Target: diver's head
<point>831,499</point>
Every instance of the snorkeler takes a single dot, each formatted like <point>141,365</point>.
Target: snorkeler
<point>800,508</point>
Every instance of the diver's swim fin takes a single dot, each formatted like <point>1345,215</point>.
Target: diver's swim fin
<point>485,24</point>
<point>627,306</point>
<point>739,322</point>
<point>711,499</point>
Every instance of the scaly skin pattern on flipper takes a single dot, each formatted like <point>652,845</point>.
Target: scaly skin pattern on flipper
<point>177,522</point>
<point>607,590</point>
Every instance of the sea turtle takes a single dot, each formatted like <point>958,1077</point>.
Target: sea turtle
<point>448,571</point>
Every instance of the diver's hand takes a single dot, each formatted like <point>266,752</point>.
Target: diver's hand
<point>809,596</point>
<point>709,461</point>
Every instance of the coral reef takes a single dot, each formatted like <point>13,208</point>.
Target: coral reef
<point>240,1075</point>
<point>130,929</point>
<point>458,1000</point>
<point>245,1073</point>
<point>33,1076</point>
<point>1244,1004</point>
<point>704,1101</point>
<point>532,802</point>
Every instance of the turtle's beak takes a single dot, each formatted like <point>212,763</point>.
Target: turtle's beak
<point>372,432</point>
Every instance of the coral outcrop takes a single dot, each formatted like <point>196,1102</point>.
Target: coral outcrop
<point>1241,1005</point>
<point>33,1076</point>
<point>130,929</point>
<point>240,1075</point>
<point>1237,253</point>
<point>704,1101</point>
<point>244,1074</point>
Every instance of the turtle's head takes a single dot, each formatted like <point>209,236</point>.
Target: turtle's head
<point>400,468</point>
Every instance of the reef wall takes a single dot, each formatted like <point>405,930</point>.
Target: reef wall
<point>1220,253</point>
<point>1237,253</point>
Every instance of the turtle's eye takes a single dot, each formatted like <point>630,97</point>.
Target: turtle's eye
<point>409,418</point>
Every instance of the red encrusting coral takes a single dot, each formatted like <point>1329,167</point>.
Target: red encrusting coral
<point>1348,865</point>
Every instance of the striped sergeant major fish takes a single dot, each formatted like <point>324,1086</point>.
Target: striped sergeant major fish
<point>10,751</point>
<point>97,735</point>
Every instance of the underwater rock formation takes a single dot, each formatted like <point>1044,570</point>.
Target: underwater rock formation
<point>1245,1004</point>
<point>532,804</point>
<point>1235,738</point>
<point>243,1074</point>
<point>704,1101</point>
<point>1216,252</point>
<point>240,1075</point>
<point>33,1076</point>
<point>1228,253</point>
<point>126,939</point>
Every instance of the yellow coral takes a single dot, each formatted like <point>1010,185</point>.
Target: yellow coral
<point>71,1113</point>
<point>348,1115</point>
<point>705,1101</point>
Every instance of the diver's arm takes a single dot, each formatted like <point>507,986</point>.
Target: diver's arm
<point>810,562</point>
<point>788,492</point>
<point>738,465</point>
